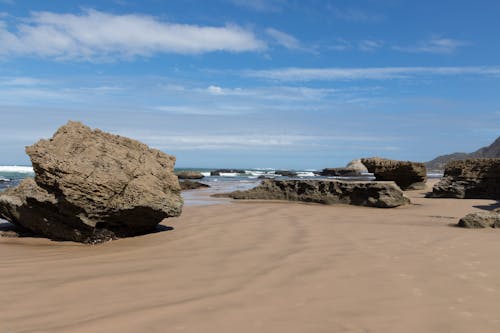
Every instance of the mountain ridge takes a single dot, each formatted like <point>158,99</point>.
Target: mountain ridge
<point>491,151</point>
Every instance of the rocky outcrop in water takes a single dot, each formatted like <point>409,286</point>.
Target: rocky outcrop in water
<point>189,175</point>
<point>91,186</point>
<point>286,173</point>
<point>477,178</point>
<point>192,185</point>
<point>408,175</point>
<point>354,169</point>
<point>372,194</point>
<point>219,171</point>
<point>481,220</point>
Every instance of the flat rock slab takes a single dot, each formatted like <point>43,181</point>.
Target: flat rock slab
<point>371,194</point>
<point>91,186</point>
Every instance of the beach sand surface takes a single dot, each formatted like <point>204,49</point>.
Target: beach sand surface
<point>265,267</point>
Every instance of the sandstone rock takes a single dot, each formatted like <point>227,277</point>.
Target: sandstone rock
<point>477,178</point>
<point>408,175</point>
<point>480,220</point>
<point>358,166</point>
<point>373,194</point>
<point>91,186</point>
<point>192,185</point>
<point>189,175</point>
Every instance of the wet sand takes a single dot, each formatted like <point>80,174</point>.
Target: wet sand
<point>265,267</point>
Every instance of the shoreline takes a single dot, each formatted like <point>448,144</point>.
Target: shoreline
<point>266,267</point>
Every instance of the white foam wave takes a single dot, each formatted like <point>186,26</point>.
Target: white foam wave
<point>305,174</point>
<point>229,174</point>
<point>15,168</point>
<point>2,179</point>
<point>205,174</point>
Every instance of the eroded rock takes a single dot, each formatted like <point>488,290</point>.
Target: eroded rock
<point>477,178</point>
<point>372,194</point>
<point>92,186</point>
<point>477,220</point>
<point>408,175</point>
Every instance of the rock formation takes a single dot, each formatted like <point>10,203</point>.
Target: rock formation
<point>354,169</point>
<point>189,175</point>
<point>408,175</point>
<point>285,173</point>
<point>91,186</point>
<point>192,185</point>
<point>219,171</point>
<point>477,178</point>
<point>358,166</point>
<point>373,194</point>
<point>481,220</point>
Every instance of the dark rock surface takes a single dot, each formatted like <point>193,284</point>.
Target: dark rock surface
<point>192,185</point>
<point>408,175</point>
<point>481,220</point>
<point>372,194</point>
<point>491,151</point>
<point>91,186</point>
<point>477,178</point>
<point>286,173</point>
<point>189,175</point>
<point>219,171</point>
<point>339,172</point>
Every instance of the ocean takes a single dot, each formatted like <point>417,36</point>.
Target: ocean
<point>240,179</point>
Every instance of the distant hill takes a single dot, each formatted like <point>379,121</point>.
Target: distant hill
<point>439,162</point>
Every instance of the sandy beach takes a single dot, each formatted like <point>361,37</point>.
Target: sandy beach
<point>265,267</point>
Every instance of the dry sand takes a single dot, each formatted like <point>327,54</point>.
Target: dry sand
<point>265,267</point>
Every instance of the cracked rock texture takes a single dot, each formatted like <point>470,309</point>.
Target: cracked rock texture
<point>91,186</point>
<point>372,194</point>
<point>476,178</point>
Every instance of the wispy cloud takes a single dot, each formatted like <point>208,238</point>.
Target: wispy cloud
<point>95,36</point>
<point>368,45</point>
<point>260,5</point>
<point>354,14</point>
<point>21,81</point>
<point>284,39</point>
<point>375,73</point>
<point>434,45</point>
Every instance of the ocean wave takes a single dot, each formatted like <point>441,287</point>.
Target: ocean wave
<point>205,174</point>
<point>229,174</point>
<point>305,174</point>
<point>3,179</point>
<point>16,168</point>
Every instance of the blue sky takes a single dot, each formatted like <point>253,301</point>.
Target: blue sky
<point>234,83</point>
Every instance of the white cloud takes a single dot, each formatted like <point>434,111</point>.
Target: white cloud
<point>434,45</point>
<point>368,45</point>
<point>248,141</point>
<point>284,39</point>
<point>95,35</point>
<point>21,81</point>
<point>375,73</point>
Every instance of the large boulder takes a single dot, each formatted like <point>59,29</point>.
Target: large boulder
<point>408,175</point>
<point>358,166</point>
<point>373,194</point>
<point>91,186</point>
<point>490,219</point>
<point>476,178</point>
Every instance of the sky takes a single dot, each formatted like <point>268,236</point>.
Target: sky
<point>255,83</point>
